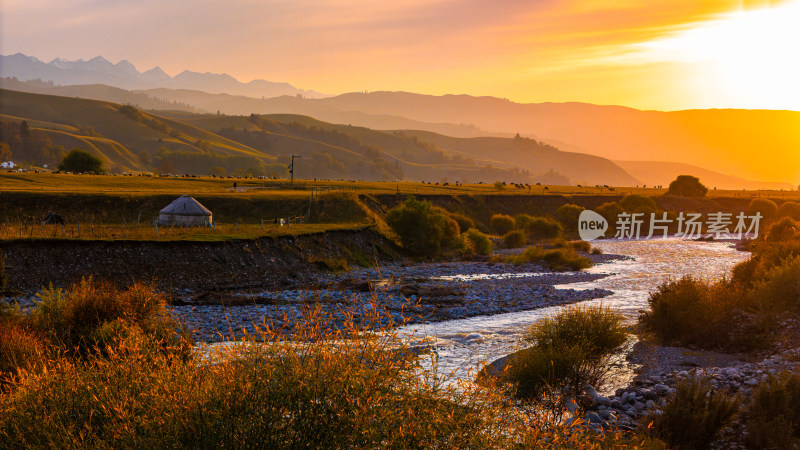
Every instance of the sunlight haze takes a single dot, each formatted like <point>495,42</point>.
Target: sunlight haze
<point>664,55</point>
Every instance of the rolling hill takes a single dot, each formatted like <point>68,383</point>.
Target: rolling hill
<point>186,142</point>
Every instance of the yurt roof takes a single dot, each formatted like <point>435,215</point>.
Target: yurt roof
<point>186,206</point>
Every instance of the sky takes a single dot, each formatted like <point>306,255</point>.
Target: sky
<point>655,54</point>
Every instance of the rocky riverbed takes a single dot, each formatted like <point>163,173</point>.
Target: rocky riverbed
<point>392,294</point>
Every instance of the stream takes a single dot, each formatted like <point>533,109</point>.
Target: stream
<point>463,345</point>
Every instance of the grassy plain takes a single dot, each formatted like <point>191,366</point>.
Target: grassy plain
<point>50,182</point>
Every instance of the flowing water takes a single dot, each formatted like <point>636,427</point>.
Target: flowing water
<point>463,345</point>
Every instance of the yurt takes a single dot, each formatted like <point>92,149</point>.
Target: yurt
<point>185,211</point>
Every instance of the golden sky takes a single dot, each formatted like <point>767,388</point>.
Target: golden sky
<point>655,54</point>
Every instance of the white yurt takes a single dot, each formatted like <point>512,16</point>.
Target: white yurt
<point>185,211</point>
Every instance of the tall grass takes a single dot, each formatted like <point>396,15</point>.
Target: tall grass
<point>695,414</point>
<point>774,417</point>
<point>316,388</point>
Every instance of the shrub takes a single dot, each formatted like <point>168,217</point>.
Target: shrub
<point>523,220</point>
<point>479,242</point>
<point>790,210</point>
<point>695,414</point>
<point>780,288</point>
<point>423,229</point>
<point>638,203</point>
<point>78,160</point>
<point>464,222</point>
<point>568,350</point>
<point>78,318</point>
<point>774,416</point>
<point>597,328</point>
<point>766,207</point>
<point>610,211</point>
<point>582,246</point>
<point>514,239</point>
<point>541,228</point>
<point>555,259</point>
<point>568,215</point>
<point>502,224</point>
<point>687,186</point>
<point>783,230</point>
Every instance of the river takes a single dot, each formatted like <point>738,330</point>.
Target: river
<point>462,345</point>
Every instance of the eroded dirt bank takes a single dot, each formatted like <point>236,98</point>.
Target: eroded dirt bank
<point>266,263</point>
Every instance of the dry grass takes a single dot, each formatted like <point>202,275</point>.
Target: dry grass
<point>220,232</point>
<point>348,388</point>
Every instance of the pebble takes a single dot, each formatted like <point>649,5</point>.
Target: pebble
<point>457,290</point>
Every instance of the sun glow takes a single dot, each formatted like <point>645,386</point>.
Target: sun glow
<point>746,58</point>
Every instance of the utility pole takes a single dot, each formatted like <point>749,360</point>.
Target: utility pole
<point>291,171</point>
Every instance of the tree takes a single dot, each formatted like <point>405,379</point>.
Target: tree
<point>423,229</point>
<point>78,160</point>
<point>5,152</point>
<point>687,186</point>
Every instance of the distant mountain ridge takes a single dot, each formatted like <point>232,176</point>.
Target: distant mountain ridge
<point>123,74</point>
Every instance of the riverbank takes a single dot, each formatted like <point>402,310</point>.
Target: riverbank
<point>177,267</point>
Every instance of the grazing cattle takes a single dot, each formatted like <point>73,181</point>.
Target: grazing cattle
<point>52,219</point>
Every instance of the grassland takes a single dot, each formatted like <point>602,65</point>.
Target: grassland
<point>123,207</point>
<point>269,188</point>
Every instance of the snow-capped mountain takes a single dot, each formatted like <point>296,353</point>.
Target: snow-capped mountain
<point>123,74</point>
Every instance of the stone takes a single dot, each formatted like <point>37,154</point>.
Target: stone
<point>661,389</point>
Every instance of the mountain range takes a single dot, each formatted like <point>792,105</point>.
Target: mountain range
<point>123,74</point>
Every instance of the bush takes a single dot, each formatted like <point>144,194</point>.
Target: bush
<point>555,259</point>
<point>542,228</point>
<point>523,220</point>
<point>695,414</point>
<point>610,211</point>
<point>478,242</point>
<point>514,239</point>
<point>596,328</point>
<point>790,210</point>
<point>423,229</point>
<point>78,318</point>
<point>568,215</point>
<point>687,186</point>
<point>464,222</point>
<point>78,160</point>
<point>502,224</point>
<point>774,416</point>
<point>634,203</point>
<point>766,207</point>
<point>784,229</point>
<point>780,288</point>
<point>568,350</point>
<point>581,246</point>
